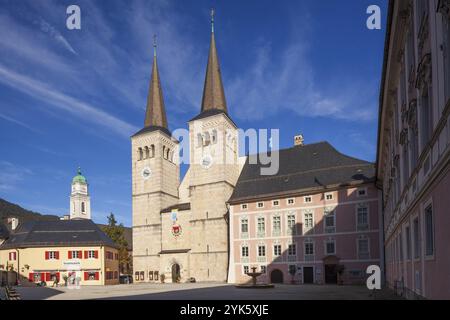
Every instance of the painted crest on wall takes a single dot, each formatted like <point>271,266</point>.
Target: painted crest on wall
<point>176,229</point>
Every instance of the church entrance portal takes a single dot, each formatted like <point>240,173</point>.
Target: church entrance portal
<point>176,272</point>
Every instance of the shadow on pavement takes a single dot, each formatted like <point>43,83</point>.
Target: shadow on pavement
<point>37,293</point>
<point>280,292</point>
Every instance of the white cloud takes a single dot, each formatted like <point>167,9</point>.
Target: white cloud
<point>11,175</point>
<point>55,34</point>
<point>20,123</point>
<point>287,81</point>
<point>66,103</point>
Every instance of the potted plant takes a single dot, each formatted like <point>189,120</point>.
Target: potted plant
<point>162,277</point>
<point>65,280</point>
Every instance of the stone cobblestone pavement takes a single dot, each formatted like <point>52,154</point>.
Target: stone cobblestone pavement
<point>206,291</point>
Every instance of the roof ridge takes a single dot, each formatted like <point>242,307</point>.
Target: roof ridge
<point>304,172</point>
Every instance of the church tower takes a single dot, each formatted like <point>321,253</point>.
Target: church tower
<point>214,172</point>
<point>80,201</point>
<point>155,178</point>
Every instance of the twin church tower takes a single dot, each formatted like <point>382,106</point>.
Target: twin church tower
<point>180,229</point>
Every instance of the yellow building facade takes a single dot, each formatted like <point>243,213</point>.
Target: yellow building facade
<point>73,252</point>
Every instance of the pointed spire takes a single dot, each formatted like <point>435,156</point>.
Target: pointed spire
<point>213,93</point>
<point>156,112</point>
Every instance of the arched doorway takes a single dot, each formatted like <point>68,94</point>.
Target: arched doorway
<point>331,266</point>
<point>175,272</point>
<point>276,276</point>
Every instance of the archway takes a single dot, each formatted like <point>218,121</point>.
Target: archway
<point>331,266</point>
<point>276,276</point>
<point>175,272</point>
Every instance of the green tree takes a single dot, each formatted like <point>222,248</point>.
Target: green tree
<point>116,233</point>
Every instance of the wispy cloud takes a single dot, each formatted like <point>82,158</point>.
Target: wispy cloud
<point>20,123</point>
<point>55,34</point>
<point>73,106</point>
<point>273,83</point>
<point>11,175</point>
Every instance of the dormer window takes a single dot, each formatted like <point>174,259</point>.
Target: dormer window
<point>362,192</point>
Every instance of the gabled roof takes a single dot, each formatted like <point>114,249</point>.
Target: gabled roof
<point>179,207</point>
<point>81,232</point>
<point>302,168</point>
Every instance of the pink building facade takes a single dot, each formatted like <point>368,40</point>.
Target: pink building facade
<point>413,160</point>
<point>314,233</point>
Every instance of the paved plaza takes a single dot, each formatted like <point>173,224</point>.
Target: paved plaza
<point>203,291</point>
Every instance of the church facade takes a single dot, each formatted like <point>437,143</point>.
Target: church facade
<point>194,228</point>
<point>180,229</point>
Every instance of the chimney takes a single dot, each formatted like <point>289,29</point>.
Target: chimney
<point>14,223</point>
<point>298,140</point>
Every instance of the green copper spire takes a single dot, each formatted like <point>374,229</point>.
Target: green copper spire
<point>79,178</point>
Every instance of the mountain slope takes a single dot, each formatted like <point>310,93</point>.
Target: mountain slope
<point>8,209</point>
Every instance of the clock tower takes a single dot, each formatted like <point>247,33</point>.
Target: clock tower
<point>214,171</point>
<point>155,177</point>
<point>80,201</point>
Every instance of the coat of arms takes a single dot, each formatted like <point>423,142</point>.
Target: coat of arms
<point>176,229</point>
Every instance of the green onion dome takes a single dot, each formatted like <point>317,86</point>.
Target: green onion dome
<point>79,178</point>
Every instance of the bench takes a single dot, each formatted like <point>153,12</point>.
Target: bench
<point>11,294</point>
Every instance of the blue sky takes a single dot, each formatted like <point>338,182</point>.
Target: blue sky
<point>74,97</point>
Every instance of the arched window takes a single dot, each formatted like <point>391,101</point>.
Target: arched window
<point>207,140</point>
<point>214,136</point>
<point>164,152</point>
<point>83,209</point>
<point>167,154</point>
<point>147,155</point>
<point>200,140</point>
<point>140,153</point>
<point>152,151</point>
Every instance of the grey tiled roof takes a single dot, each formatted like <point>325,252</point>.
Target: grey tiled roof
<point>3,231</point>
<point>302,168</point>
<point>82,232</point>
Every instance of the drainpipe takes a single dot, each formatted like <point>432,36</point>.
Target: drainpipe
<point>18,266</point>
<point>227,220</point>
<point>381,234</point>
